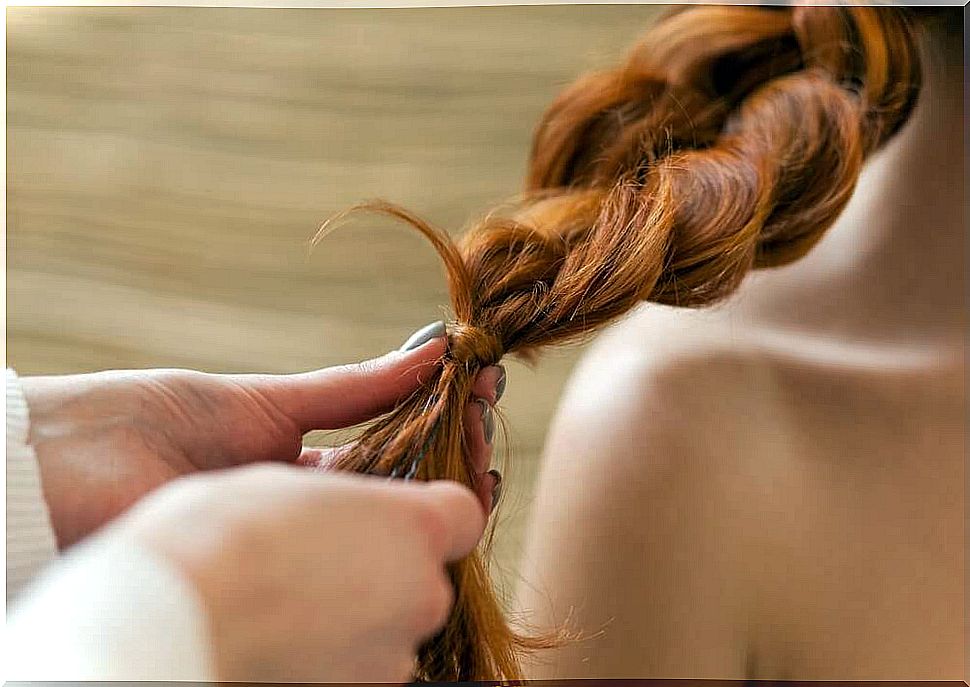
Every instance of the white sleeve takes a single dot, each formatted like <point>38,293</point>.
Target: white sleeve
<point>30,537</point>
<point>107,610</point>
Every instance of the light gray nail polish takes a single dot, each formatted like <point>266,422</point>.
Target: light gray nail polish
<point>500,384</point>
<point>488,420</point>
<point>424,335</point>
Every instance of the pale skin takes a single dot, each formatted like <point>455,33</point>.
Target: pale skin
<point>774,489</point>
<point>311,577</point>
<point>303,574</point>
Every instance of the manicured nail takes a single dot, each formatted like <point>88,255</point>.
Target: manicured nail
<point>488,419</point>
<point>500,384</point>
<point>424,335</point>
<point>497,489</point>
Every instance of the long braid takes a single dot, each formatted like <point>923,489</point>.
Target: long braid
<point>730,139</point>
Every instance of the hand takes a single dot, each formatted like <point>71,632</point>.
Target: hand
<point>104,440</point>
<point>311,577</point>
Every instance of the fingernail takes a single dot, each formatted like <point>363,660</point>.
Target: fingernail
<point>488,419</point>
<point>424,335</point>
<point>500,384</point>
<point>497,489</point>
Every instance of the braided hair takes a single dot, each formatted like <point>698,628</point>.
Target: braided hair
<point>730,139</point>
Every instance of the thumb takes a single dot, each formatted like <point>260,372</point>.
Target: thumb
<point>349,394</point>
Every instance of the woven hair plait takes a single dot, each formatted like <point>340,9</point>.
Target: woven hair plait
<point>729,139</point>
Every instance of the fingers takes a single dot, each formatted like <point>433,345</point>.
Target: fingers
<point>323,458</point>
<point>349,394</point>
<point>490,384</point>
<point>459,522</point>
<point>489,489</point>
<point>448,514</point>
<point>479,422</point>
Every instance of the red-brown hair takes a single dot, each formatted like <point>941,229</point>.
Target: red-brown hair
<point>731,138</point>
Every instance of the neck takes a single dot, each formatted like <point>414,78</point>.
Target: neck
<point>892,266</point>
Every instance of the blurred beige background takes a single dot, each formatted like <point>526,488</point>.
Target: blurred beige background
<point>166,167</point>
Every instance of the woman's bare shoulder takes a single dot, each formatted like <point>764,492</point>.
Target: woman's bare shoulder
<point>661,407</point>
<point>677,476</point>
<point>670,375</point>
<point>704,382</point>
<point>633,456</point>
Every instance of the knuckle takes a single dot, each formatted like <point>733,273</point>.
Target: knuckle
<point>178,375</point>
<point>463,504</point>
<point>365,369</point>
<point>465,498</point>
<point>431,524</point>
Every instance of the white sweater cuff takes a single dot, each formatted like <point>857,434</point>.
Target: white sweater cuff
<point>30,537</point>
<point>109,610</point>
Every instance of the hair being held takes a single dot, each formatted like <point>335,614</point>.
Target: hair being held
<point>730,139</point>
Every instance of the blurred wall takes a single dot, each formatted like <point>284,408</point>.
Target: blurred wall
<point>166,166</point>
